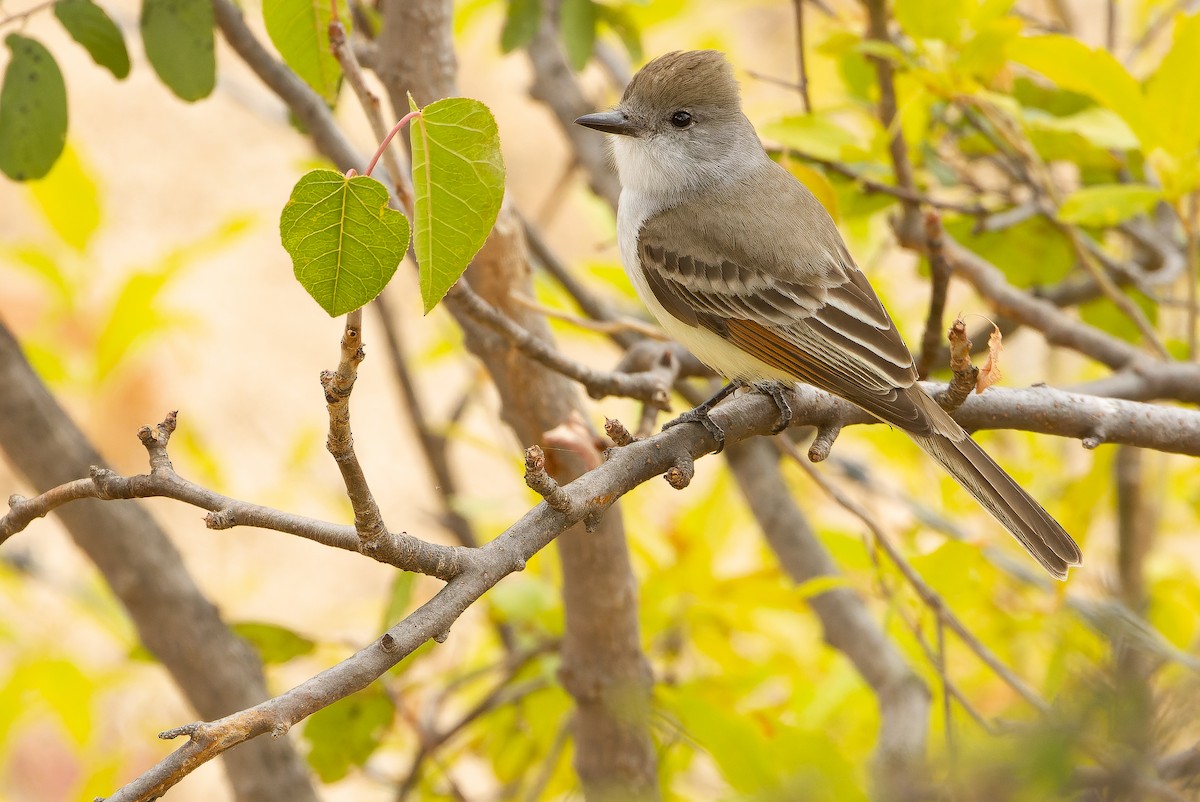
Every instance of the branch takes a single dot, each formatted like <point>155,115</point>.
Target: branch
<point>877,29</point>
<point>647,387</point>
<point>338,384</point>
<point>215,670</point>
<point>554,85</point>
<point>400,550</point>
<point>1161,379</point>
<point>931,341</point>
<point>310,109</point>
<point>589,496</point>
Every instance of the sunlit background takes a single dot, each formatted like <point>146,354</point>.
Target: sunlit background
<point>146,275</point>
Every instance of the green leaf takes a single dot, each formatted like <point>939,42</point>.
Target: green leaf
<point>91,27</point>
<point>520,24</point>
<point>812,134</point>
<point>33,110</point>
<point>577,24</point>
<point>1173,91</point>
<point>458,183</point>
<point>1078,68</point>
<point>1104,315</point>
<point>274,644</point>
<point>178,37</point>
<point>344,241</point>
<point>343,735</point>
<point>299,30</point>
<point>1108,204</point>
<point>69,200</point>
<point>1031,253</point>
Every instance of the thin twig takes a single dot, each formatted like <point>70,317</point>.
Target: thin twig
<point>931,341</point>
<point>906,194</point>
<point>400,550</point>
<point>645,387</point>
<point>801,65</point>
<point>338,384</point>
<point>609,327</point>
<point>371,107</point>
<point>965,375</point>
<point>23,15</point>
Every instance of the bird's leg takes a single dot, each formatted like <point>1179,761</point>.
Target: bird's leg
<point>700,415</point>
<point>778,392</point>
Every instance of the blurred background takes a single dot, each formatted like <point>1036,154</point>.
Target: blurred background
<point>145,274</point>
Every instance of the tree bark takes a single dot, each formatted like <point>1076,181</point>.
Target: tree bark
<point>603,667</point>
<point>217,672</point>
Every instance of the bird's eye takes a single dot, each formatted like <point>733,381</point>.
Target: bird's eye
<point>681,119</point>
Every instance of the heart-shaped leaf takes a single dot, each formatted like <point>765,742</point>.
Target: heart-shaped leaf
<point>344,241</point>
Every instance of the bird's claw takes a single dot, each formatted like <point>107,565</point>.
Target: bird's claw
<point>700,415</point>
<point>778,393</point>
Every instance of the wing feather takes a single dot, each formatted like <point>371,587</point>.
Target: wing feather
<point>833,334</point>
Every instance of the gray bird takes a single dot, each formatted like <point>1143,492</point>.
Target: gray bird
<point>741,264</point>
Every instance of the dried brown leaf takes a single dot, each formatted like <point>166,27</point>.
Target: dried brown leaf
<point>990,373</point>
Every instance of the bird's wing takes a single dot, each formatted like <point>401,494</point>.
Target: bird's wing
<point>821,323</point>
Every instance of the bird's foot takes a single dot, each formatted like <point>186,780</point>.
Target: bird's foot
<point>778,393</point>
<point>700,415</point>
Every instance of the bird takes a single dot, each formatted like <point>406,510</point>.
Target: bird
<point>741,264</point>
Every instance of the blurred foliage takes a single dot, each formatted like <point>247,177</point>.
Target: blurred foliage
<point>1001,108</point>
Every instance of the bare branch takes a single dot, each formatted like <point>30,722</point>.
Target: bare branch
<point>931,341</point>
<point>801,64</point>
<point>965,374</point>
<point>400,550</point>
<point>338,385</point>
<point>1165,380</point>
<point>647,387</point>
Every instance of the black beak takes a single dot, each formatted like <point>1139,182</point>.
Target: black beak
<point>610,122</point>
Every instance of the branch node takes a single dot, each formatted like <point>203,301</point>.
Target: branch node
<point>15,500</point>
<point>591,522</point>
<point>441,637</point>
<point>189,730</point>
<point>543,483</point>
<point>388,643</point>
<point>221,519</point>
<point>680,474</point>
<point>1093,440</point>
<point>823,442</point>
<point>106,482</point>
<point>618,433</point>
<point>965,374</point>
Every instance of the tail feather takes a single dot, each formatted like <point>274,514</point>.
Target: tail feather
<point>980,476</point>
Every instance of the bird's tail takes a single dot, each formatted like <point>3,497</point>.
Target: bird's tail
<point>980,476</point>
